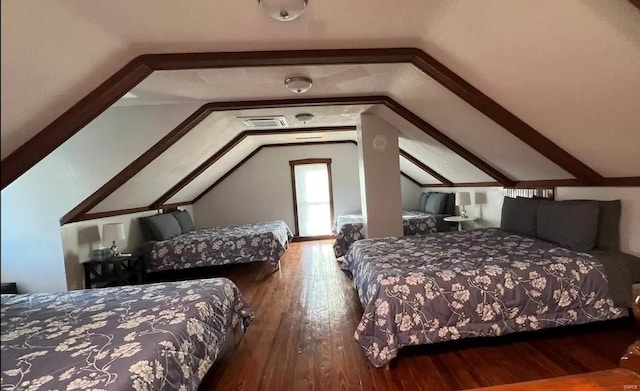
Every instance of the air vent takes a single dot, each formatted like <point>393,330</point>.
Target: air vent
<point>278,121</point>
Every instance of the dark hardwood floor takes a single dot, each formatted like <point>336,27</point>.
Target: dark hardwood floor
<point>302,339</point>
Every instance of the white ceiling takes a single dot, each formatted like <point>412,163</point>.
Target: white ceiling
<point>570,69</point>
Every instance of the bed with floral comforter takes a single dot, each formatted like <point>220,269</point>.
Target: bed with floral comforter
<point>350,228</point>
<point>261,242</point>
<point>427,289</point>
<point>144,337</point>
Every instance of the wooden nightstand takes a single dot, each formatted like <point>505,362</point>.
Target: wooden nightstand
<point>459,220</point>
<point>114,272</point>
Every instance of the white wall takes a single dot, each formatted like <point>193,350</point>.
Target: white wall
<point>630,219</point>
<point>32,253</point>
<point>487,204</point>
<point>79,239</point>
<point>260,190</point>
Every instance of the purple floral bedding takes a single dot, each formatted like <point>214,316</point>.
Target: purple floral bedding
<point>487,282</point>
<point>261,242</point>
<point>143,337</point>
<point>350,228</point>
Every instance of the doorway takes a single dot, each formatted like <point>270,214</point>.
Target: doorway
<point>312,197</point>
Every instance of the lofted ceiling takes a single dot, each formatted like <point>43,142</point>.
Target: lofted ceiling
<point>531,59</point>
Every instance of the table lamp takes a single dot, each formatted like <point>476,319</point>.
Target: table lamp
<point>112,232</point>
<point>463,199</point>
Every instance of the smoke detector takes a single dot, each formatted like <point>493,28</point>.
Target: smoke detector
<point>305,118</point>
<point>298,84</point>
<point>284,10</point>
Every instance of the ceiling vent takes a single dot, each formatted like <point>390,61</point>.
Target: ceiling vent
<point>278,121</point>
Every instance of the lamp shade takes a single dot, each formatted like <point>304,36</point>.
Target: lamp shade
<point>463,198</point>
<point>112,232</point>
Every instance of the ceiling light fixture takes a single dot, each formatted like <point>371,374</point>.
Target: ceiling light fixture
<point>284,10</point>
<point>305,118</point>
<point>298,84</point>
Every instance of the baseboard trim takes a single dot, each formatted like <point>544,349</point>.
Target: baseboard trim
<point>310,238</point>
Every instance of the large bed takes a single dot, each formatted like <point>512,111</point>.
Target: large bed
<point>486,282</point>
<point>350,228</point>
<point>144,337</point>
<point>261,242</point>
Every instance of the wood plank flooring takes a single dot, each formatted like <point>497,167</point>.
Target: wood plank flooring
<point>302,339</point>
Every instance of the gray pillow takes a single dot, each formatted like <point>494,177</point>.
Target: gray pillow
<point>570,224</point>
<point>520,215</point>
<point>436,203</point>
<point>450,206</point>
<point>423,200</point>
<point>164,226</point>
<point>609,225</point>
<point>608,237</point>
<point>147,232</point>
<point>184,220</point>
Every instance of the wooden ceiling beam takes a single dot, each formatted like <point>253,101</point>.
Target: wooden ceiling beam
<point>199,115</point>
<point>505,118</point>
<point>425,168</point>
<point>230,145</point>
<point>258,149</point>
<point>80,114</point>
<point>72,121</point>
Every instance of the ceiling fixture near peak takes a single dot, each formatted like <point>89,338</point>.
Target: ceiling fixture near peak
<point>298,84</point>
<point>284,10</point>
<point>305,118</point>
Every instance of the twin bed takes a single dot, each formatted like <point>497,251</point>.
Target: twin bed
<point>262,242</point>
<point>173,243</point>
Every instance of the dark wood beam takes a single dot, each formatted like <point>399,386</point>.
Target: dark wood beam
<point>504,118</point>
<point>122,81</point>
<point>258,149</point>
<point>425,168</point>
<point>119,212</point>
<point>211,60</point>
<point>136,166</point>
<point>72,121</point>
<point>635,3</point>
<point>230,145</point>
<point>411,179</point>
<point>199,115</point>
<point>447,142</point>
<point>622,182</point>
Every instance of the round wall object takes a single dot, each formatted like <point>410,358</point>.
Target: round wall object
<point>379,143</point>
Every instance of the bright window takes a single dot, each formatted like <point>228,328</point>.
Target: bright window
<point>313,198</point>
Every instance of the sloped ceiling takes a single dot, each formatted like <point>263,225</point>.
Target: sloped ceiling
<point>533,59</point>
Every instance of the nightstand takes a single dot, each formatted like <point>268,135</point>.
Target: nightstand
<point>114,272</point>
<point>459,220</point>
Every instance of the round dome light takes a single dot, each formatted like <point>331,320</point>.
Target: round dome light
<point>284,10</point>
<point>304,117</point>
<point>298,84</point>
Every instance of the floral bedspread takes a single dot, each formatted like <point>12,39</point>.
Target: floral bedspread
<point>426,289</point>
<point>350,228</point>
<point>262,242</point>
<point>143,337</point>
